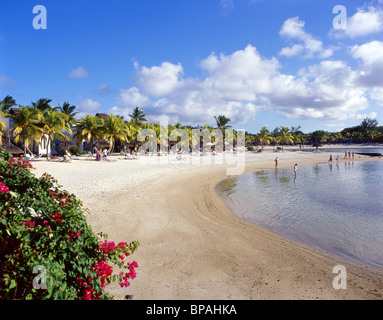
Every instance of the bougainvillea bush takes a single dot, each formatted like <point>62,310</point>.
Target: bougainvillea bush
<point>47,248</point>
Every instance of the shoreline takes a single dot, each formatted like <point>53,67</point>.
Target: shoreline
<point>194,247</point>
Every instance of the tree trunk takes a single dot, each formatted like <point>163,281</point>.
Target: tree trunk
<point>48,144</point>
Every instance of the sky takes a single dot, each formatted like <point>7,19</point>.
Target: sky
<point>314,64</point>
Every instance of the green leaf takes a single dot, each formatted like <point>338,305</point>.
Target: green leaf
<point>13,284</point>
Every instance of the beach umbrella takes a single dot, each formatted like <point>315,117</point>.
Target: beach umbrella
<point>65,145</point>
<point>12,149</point>
<point>101,144</point>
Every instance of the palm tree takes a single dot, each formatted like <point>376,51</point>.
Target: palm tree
<point>54,124</point>
<point>284,136</point>
<point>222,122</point>
<point>6,104</point>
<point>264,136</point>
<point>67,109</point>
<point>3,127</point>
<point>88,128</point>
<point>138,116</point>
<point>26,126</point>
<point>42,104</point>
<point>114,129</point>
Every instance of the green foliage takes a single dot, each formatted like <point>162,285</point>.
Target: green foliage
<point>76,151</point>
<point>47,248</point>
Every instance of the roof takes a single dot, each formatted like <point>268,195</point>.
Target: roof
<point>14,111</point>
<point>103,116</point>
<point>11,148</point>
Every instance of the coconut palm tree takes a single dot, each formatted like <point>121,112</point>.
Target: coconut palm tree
<point>67,109</point>
<point>264,136</point>
<point>42,104</point>
<point>88,128</point>
<point>138,116</point>
<point>6,104</point>
<point>26,127</point>
<point>54,124</point>
<point>284,136</point>
<point>222,122</point>
<point>114,129</point>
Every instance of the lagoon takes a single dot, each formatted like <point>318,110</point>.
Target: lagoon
<point>335,207</point>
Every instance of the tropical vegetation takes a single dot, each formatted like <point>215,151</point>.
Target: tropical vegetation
<point>47,248</point>
<point>42,121</point>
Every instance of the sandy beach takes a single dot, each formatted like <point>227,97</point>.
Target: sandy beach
<point>192,245</point>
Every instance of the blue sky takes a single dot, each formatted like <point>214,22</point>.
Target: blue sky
<point>259,62</point>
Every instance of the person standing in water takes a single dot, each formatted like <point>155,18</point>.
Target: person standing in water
<point>276,162</point>
<point>295,169</point>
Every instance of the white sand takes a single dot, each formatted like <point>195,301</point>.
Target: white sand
<point>192,245</point>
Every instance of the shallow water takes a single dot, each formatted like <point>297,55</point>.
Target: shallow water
<point>336,207</point>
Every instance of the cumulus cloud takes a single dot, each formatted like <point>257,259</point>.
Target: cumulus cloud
<point>364,22</point>
<point>370,54</point>
<point>377,94</point>
<point>308,46</point>
<point>89,106</point>
<point>78,73</point>
<point>243,83</point>
<point>159,80</point>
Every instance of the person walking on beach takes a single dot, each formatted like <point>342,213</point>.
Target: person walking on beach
<point>105,154</point>
<point>276,162</point>
<point>295,169</point>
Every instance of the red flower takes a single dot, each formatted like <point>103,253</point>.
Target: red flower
<point>3,188</point>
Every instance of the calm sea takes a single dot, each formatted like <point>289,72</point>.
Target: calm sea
<point>340,151</point>
<point>336,207</point>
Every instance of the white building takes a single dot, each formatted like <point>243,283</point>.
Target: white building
<point>40,148</point>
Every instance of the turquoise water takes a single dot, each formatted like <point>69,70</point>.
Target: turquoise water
<point>336,207</point>
<point>340,151</point>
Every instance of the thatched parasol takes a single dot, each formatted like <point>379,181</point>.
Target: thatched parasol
<point>100,144</point>
<point>12,149</point>
<point>65,145</point>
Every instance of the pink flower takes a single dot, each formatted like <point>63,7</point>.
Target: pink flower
<point>3,188</point>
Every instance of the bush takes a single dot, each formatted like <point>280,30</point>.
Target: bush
<point>47,249</point>
<point>76,151</point>
<point>250,148</point>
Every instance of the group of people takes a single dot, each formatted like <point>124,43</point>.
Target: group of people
<point>350,155</point>
<point>104,155</point>
<point>295,166</point>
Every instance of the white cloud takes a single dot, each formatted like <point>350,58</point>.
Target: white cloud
<point>364,22</point>
<point>227,6</point>
<point>377,94</point>
<point>103,90</point>
<point>243,83</point>
<point>309,46</point>
<point>159,80</point>
<point>131,98</point>
<point>78,73</point>
<point>371,115</point>
<point>6,83</point>
<point>371,70</point>
<point>89,106</point>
